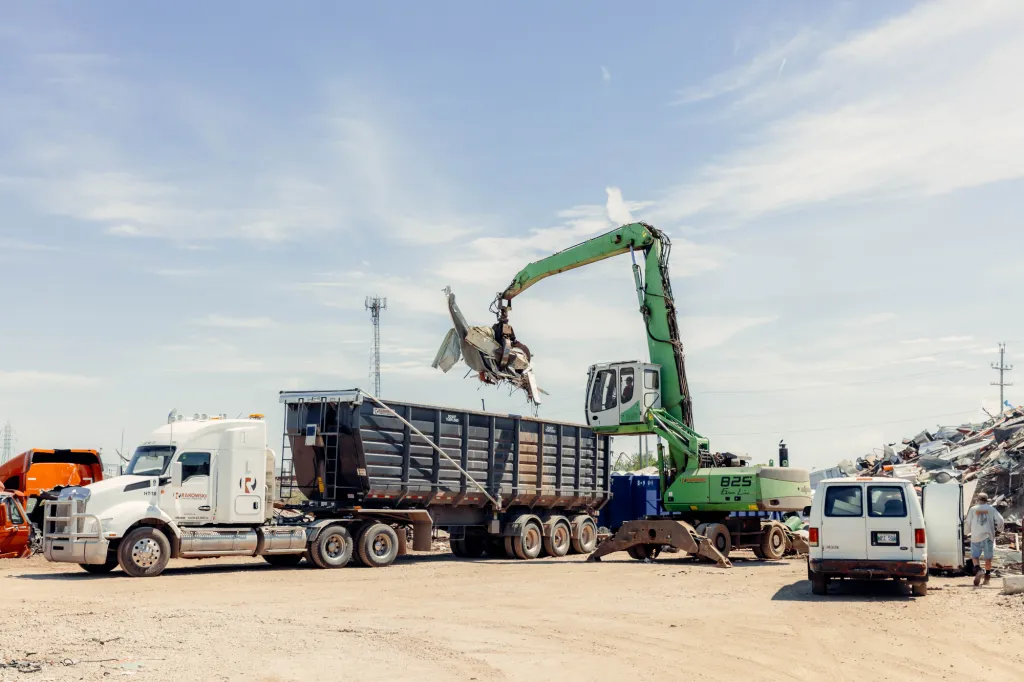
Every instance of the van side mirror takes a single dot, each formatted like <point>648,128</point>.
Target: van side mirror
<point>176,474</point>
<point>807,511</point>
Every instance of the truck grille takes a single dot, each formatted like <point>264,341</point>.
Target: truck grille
<point>58,520</point>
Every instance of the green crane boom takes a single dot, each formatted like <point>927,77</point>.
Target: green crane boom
<point>654,291</point>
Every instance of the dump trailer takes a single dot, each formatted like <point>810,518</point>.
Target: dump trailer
<point>500,484</point>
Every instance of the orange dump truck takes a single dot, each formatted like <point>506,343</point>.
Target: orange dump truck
<point>15,532</point>
<point>37,471</point>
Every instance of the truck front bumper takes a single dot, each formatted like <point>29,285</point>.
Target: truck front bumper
<point>863,569</point>
<point>78,551</point>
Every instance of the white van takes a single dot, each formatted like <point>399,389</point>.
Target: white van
<point>867,528</point>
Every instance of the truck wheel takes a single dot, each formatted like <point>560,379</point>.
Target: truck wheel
<point>332,548</point>
<point>495,547</point>
<point>144,552</point>
<point>756,549</point>
<point>773,542</point>
<point>644,552</point>
<point>474,544</point>
<point>560,540</point>
<point>283,560</point>
<point>458,546</point>
<point>529,543</point>
<point>819,584</point>
<point>378,546</point>
<point>100,569</point>
<point>585,539</point>
<point>919,589</point>
<point>720,539</point>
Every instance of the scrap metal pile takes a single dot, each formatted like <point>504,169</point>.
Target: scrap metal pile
<point>493,363</point>
<point>986,457</point>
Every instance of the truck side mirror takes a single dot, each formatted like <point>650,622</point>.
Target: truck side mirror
<point>176,474</point>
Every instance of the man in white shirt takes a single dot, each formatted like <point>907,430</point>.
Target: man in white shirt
<point>981,523</point>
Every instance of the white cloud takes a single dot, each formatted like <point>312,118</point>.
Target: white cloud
<point>606,75</point>
<point>226,322</point>
<point>618,212</point>
<point>23,380</point>
<point>918,106</point>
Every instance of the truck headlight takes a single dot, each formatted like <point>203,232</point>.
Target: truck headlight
<point>105,523</point>
<point>88,526</point>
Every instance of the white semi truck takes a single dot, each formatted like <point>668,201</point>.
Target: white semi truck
<point>370,473</point>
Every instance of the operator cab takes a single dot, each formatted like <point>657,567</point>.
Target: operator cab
<point>620,393</point>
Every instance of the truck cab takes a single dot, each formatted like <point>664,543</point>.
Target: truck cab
<point>38,471</point>
<point>867,528</point>
<point>198,487</point>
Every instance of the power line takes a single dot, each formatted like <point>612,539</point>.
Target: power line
<point>375,305</point>
<point>1002,368</point>
<point>840,428</point>
<point>839,383</point>
<point>7,441</point>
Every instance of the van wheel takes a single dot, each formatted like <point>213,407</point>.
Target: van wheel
<point>378,546</point>
<point>819,584</point>
<point>283,560</point>
<point>100,569</point>
<point>773,543</point>
<point>919,589</point>
<point>144,552</point>
<point>332,548</point>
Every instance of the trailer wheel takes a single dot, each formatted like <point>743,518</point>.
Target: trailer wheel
<point>144,552</point>
<point>100,569</point>
<point>378,546</point>
<point>495,547</point>
<point>332,548</point>
<point>283,560</point>
<point>773,542</point>
<point>720,538</point>
<point>529,543</point>
<point>585,539</point>
<point>458,546</point>
<point>474,544</point>
<point>510,550</point>
<point>559,542</point>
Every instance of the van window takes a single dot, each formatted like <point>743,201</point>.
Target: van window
<point>843,500</point>
<point>886,500</point>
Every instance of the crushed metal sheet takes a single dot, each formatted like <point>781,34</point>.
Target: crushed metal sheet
<point>482,354</point>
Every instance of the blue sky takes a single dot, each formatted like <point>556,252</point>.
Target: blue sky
<point>196,200</point>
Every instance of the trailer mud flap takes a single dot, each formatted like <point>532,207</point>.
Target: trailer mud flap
<point>678,534</point>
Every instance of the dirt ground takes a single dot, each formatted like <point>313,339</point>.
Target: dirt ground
<point>432,617</point>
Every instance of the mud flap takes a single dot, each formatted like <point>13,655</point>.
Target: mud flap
<point>678,534</point>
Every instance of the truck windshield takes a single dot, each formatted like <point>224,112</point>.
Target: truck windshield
<point>150,460</point>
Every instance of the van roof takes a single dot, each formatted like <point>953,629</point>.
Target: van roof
<point>866,479</point>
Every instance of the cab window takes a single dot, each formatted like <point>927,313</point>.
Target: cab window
<point>844,500</point>
<point>194,464</point>
<point>886,501</point>
<point>13,512</point>
<point>651,379</point>
<point>604,395</point>
<point>626,379</point>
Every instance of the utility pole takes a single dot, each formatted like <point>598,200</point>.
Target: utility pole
<point>375,305</point>
<point>1002,368</point>
<point>6,443</point>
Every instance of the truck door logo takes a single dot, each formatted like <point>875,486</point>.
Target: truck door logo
<point>248,484</point>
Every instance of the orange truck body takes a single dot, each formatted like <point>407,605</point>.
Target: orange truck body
<point>37,471</point>
<point>15,532</point>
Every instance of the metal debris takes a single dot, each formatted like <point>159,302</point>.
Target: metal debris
<point>482,354</point>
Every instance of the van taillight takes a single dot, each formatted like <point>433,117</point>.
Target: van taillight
<point>919,537</point>
<point>812,537</point>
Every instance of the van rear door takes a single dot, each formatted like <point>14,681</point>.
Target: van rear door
<point>890,534</point>
<point>842,534</point>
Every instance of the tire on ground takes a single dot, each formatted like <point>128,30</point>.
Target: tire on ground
<point>144,552</point>
<point>475,544</point>
<point>720,538</point>
<point>584,540</point>
<point>559,542</point>
<point>458,546</point>
<point>378,546</point>
<point>919,589</point>
<point>819,584</point>
<point>773,542</point>
<point>530,541</point>
<point>357,530</point>
<point>283,560</point>
<point>100,569</point>
<point>332,548</point>
<point>496,547</point>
